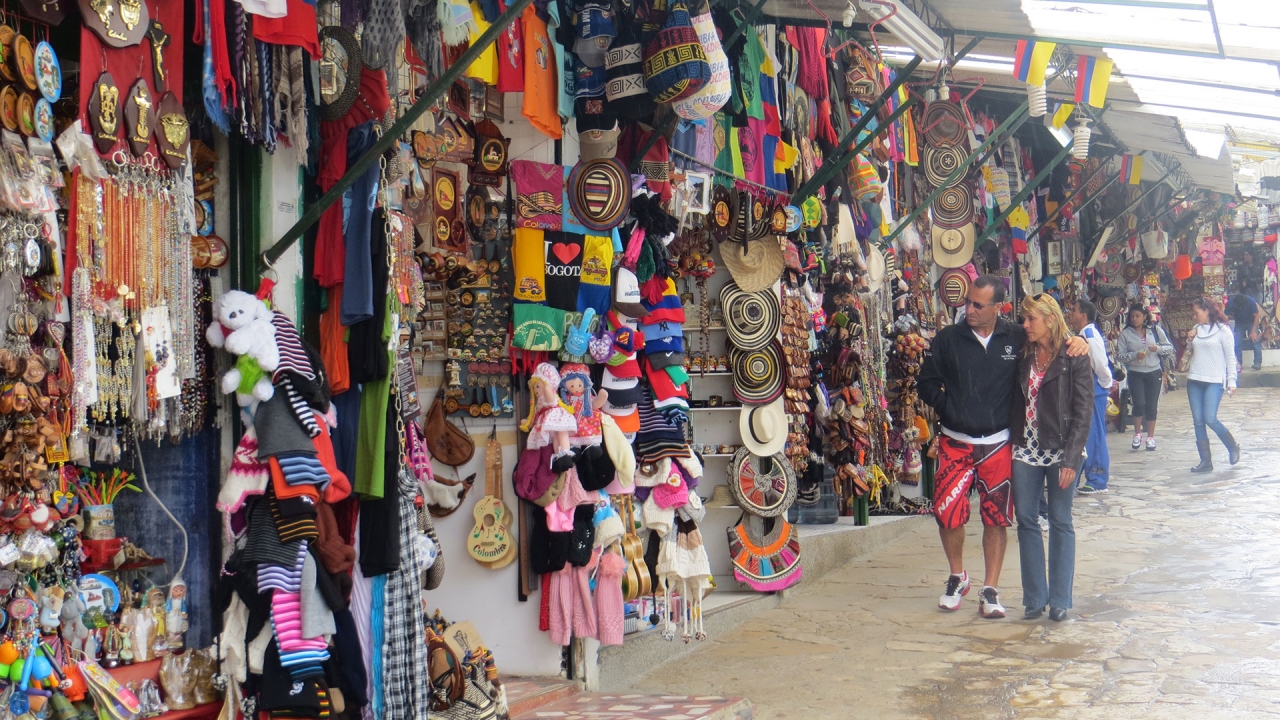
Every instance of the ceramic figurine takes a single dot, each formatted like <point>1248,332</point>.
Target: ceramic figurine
<point>155,608</point>
<point>51,601</point>
<point>176,614</point>
<point>141,624</point>
<point>111,647</point>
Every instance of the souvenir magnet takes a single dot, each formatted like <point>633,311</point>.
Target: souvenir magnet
<point>44,120</point>
<point>48,72</point>
<point>27,114</point>
<point>23,60</point>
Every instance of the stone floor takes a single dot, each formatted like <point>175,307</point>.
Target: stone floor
<point>1177,608</point>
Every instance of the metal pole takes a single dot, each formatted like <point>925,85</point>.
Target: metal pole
<point>747,17</point>
<point>1023,193</point>
<point>1134,204</point>
<point>1089,201</point>
<point>1011,124</point>
<point>818,180</point>
<point>389,137</point>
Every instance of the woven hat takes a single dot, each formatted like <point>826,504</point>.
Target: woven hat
<point>953,247</point>
<point>764,428</point>
<point>763,486</point>
<point>756,265</point>
<point>1109,307</point>
<point>953,286</point>
<point>946,124</point>
<point>940,162</point>
<point>752,319</point>
<point>757,374</point>
<point>954,206</point>
<point>720,497</point>
<point>875,268</point>
<point>675,63</point>
<point>600,193</point>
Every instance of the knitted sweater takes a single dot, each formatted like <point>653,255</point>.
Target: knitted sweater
<point>1213,357</point>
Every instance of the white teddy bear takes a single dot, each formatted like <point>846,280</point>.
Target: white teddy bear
<point>242,325</point>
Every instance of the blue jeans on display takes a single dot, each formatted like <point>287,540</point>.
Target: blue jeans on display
<point>1096,468</point>
<point>1244,343</point>
<point>1029,483</point>
<point>1204,398</point>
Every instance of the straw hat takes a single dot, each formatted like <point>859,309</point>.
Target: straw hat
<point>764,428</point>
<point>875,268</point>
<point>953,286</point>
<point>756,266</point>
<point>953,247</point>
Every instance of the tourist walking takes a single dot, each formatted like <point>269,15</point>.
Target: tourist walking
<point>969,377</point>
<point>1140,347</point>
<point>1055,392</point>
<point>1211,372</point>
<point>1096,469</point>
<point>1244,310</point>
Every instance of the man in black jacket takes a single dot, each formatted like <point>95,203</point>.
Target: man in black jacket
<point>969,377</point>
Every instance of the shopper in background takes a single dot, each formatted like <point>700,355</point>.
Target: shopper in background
<point>1244,310</point>
<point>969,377</point>
<point>1056,393</point>
<point>1141,345</point>
<point>1212,371</point>
<point>1097,465</point>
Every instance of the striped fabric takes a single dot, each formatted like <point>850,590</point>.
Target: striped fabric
<point>299,406</point>
<point>299,469</point>
<point>279,577</point>
<point>294,527</point>
<point>658,437</point>
<point>293,357</point>
<point>264,545</point>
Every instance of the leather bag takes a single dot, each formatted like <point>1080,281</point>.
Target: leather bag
<point>446,442</point>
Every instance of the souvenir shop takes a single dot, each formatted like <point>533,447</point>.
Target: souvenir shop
<point>595,304</point>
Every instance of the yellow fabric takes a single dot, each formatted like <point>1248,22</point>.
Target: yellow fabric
<point>485,67</point>
<point>529,254</point>
<point>597,257</point>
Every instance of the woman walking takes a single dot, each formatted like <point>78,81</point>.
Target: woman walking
<point>1212,371</point>
<point>1142,343</point>
<point>1049,428</point>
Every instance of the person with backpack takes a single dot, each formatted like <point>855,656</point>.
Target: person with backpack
<point>1141,345</point>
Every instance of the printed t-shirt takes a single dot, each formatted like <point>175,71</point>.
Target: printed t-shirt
<point>540,86</point>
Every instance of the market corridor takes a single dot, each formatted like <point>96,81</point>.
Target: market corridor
<point>1177,611</point>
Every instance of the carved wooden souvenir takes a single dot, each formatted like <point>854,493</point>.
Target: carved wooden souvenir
<point>460,99</point>
<point>172,131</point>
<point>6,50</point>
<point>459,145</point>
<point>444,192</point>
<point>490,161</point>
<point>27,114</point>
<point>23,60</point>
<point>49,12</point>
<point>139,117</point>
<point>9,108</point>
<point>118,23</point>
<point>159,41</point>
<point>104,112</point>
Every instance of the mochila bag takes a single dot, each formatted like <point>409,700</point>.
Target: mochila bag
<point>765,558</point>
<point>675,63</point>
<point>538,328</point>
<point>446,442</point>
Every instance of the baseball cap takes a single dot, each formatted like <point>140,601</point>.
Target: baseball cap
<point>595,34</point>
<point>596,143</point>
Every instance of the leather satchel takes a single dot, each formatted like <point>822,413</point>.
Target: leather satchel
<point>446,442</point>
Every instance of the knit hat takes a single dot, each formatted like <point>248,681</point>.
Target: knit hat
<point>264,545</point>
<point>624,71</point>
<point>672,492</point>
<point>247,476</point>
<point>279,430</point>
<point>619,449</point>
<point>675,63</point>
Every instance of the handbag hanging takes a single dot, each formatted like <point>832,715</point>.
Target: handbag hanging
<point>446,442</point>
<point>765,553</point>
<point>1184,362</point>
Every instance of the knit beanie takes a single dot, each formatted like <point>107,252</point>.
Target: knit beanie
<point>247,476</point>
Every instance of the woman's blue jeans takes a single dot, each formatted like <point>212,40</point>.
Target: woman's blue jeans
<point>1204,398</point>
<point>1029,483</point>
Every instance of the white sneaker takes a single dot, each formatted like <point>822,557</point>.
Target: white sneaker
<point>989,604</point>
<point>1137,442</point>
<point>1151,443</point>
<point>957,587</point>
<point>1044,523</point>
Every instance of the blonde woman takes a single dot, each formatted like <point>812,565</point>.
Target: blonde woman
<point>1049,429</point>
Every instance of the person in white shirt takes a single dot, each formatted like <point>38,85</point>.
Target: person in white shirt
<point>1212,372</point>
<point>1096,469</point>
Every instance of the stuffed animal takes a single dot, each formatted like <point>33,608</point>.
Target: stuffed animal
<point>242,325</point>
<point>74,632</point>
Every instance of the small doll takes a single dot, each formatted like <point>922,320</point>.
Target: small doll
<point>577,392</point>
<point>175,609</point>
<point>550,420</point>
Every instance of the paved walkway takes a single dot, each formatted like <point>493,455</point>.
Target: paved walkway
<point>1177,611</point>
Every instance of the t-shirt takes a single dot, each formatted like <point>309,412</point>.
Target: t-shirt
<point>511,57</point>
<point>541,90</point>
<point>750,63</point>
<point>1242,308</point>
<point>485,67</point>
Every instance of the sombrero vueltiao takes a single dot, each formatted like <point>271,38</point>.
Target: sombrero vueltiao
<point>1108,307</point>
<point>953,286</point>
<point>600,193</point>
<point>752,319</point>
<point>757,374</point>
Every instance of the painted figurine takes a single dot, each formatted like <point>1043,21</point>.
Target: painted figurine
<point>175,619</point>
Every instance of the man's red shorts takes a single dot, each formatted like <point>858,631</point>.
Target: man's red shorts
<point>959,465</point>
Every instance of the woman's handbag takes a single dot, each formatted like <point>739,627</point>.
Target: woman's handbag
<point>1184,362</point>
<point>446,442</point>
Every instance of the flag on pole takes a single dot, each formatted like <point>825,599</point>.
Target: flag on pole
<point>1062,114</point>
<point>1131,169</point>
<point>1031,60</point>
<point>1093,76</point>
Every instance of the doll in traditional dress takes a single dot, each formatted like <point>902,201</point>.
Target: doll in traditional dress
<point>176,614</point>
<point>578,393</point>
<point>550,421</point>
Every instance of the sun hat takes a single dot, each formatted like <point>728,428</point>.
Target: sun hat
<point>764,486</point>
<point>953,247</point>
<point>940,162</point>
<point>755,265</point>
<point>946,124</point>
<point>752,319</point>
<point>600,193</point>
<point>764,428</point>
<point>875,268</point>
<point>757,374</point>
<point>953,207</point>
<point>1108,307</point>
<point>953,286</point>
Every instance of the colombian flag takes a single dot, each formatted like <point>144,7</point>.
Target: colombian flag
<point>1131,169</point>
<point>1031,60</point>
<point>1093,75</point>
<point>1062,114</point>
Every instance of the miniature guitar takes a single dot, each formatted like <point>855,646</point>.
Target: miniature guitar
<point>491,542</point>
<point>636,581</point>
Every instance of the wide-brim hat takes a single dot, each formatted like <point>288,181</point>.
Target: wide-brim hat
<point>940,162</point>
<point>953,207</point>
<point>875,268</point>
<point>600,193</point>
<point>752,319</point>
<point>757,374</point>
<point>764,428</point>
<point>953,287</point>
<point>1109,307</point>
<point>953,247</point>
<point>755,264</point>
<point>764,486</point>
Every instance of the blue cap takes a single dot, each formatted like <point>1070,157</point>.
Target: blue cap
<point>595,33</point>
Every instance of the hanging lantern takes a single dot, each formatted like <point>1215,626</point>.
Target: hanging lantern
<point>1037,100</point>
<point>1182,267</point>
<point>1080,148</point>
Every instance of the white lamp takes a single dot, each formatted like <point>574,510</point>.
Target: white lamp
<point>1080,150</point>
<point>908,26</point>
<point>1037,100</point>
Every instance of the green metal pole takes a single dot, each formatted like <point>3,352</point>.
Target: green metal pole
<point>1022,194</point>
<point>747,17</point>
<point>1089,201</point>
<point>797,198</point>
<point>1011,124</point>
<point>1134,204</point>
<point>389,138</point>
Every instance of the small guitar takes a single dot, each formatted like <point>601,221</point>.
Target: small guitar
<point>636,581</point>
<point>491,542</point>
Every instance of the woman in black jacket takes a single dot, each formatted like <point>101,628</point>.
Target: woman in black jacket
<point>1049,428</point>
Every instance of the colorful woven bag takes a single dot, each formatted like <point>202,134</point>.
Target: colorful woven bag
<point>675,63</point>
